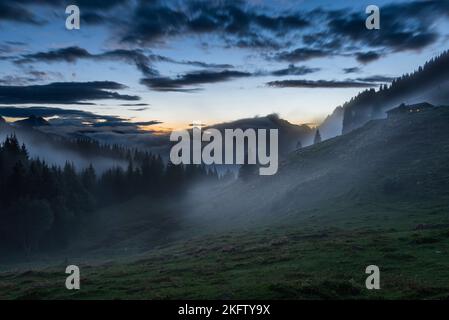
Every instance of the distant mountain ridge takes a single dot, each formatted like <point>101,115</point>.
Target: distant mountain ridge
<point>428,83</point>
<point>291,136</point>
<point>33,121</point>
<point>2,120</point>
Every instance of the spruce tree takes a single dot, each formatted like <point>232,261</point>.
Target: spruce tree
<point>317,138</point>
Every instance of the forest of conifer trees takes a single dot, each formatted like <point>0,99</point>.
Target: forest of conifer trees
<point>41,205</point>
<point>370,103</point>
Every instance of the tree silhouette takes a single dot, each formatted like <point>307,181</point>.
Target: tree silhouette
<point>30,219</point>
<point>317,138</point>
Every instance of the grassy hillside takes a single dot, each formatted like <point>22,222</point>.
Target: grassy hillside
<point>385,162</point>
<point>377,195</point>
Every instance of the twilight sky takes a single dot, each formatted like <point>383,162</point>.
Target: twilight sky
<point>165,64</point>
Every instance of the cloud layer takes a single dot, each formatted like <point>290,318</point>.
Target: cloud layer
<point>287,35</point>
<point>186,81</point>
<point>319,84</point>
<point>63,93</point>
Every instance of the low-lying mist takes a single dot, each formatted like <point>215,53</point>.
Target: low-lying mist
<point>40,147</point>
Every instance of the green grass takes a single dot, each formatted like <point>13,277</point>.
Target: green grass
<point>300,261</point>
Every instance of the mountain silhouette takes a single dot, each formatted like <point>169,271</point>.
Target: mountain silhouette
<point>289,134</point>
<point>33,121</point>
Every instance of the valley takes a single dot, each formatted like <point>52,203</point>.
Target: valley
<point>307,233</point>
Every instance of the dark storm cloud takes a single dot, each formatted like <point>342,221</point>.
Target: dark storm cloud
<point>94,4</point>
<point>122,123</point>
<point>319,84</point>
<point>93,18</point>
<point>87,4</point>
<point>155,21</point>
<point>352,70</point>
<point>207,65</point>
<point>186,81</point>
<point>76,119</point>
<point>143,61</point>
<point>301,54</point>
<point>376,79</point>
<point>404,26</point>
<point>241,25</point>
<point>320,33</point>
<point>138,109</point>
<point>72,54</point>
<point>152,21</point>
<point>18,80</point>
<point>22,10</point>
<point>138,106</point>
<point>367,57</point>
<point>322,40</point>
<point>29,76</point>
<point>293,70</point>
<point>257,41</point>
<point>193,63</point>
<point>16,43</point>
<point>134,104</point>
<point>15,112</point>
<point>137,57</point>
<point>11,11</point>
<point>63,92</point>
<point>69,54</point>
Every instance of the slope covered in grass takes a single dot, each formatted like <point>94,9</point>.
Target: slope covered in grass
<point>378,195</point>
<point>386,162</point>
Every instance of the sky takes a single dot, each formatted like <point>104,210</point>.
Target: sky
<point>161,65</point>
